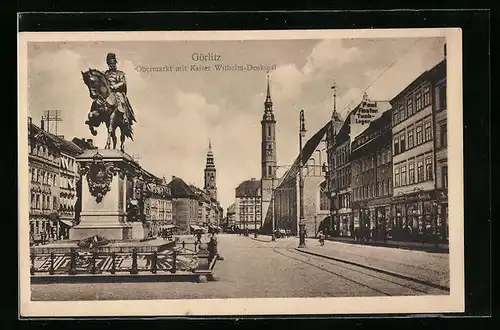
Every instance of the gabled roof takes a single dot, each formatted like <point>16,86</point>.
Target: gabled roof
<point>58,142</point>
<point>307,151</point>
<point>438,70</point>
<point>180,189</point>
<point>248,188</point>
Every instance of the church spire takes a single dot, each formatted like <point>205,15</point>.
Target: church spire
<point>335,114</point>
<point>269,103</point>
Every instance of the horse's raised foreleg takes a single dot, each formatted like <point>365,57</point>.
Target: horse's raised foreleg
<point>108,141</point>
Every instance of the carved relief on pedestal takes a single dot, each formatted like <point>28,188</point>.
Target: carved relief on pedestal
<point>99,176</point>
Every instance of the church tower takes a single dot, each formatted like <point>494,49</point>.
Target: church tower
<point>210,173</point>
<point>268,153</point>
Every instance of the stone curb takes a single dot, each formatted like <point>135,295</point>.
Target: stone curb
<point>383,271</point>
<point>117,278</point>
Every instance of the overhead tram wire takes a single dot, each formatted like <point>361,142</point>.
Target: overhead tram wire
<point>387,68</point>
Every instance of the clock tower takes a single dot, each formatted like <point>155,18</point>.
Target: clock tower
<point>210,173</point>
<point>268,153</point>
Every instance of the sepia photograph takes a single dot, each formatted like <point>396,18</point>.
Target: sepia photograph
<point>240,172</point>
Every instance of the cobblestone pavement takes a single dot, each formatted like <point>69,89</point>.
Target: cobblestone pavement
<point>425,266</point>
<point>250,269</point>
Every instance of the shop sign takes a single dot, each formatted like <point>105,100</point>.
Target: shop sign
<point>442,194</point>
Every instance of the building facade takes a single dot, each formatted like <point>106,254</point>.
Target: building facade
<point>268,153</point>
<point>371,183</point>
<point>339,170</point>
<point>69,177</point>
<point>415,202</point>
<point>44,161</point>
<point>157,205</point>
<point>286,193</point>
<point>184,204</point>
<point>231,216</point>
<point>248,205</point>
<point>441,153</point>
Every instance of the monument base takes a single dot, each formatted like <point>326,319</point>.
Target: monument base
<point>113,233</point>
<point>137,230</point>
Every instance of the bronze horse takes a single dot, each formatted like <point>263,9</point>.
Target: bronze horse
<point>104,109</point>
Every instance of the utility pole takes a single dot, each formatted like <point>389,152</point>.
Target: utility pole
<point>302,132</point>
<point>52,116</point>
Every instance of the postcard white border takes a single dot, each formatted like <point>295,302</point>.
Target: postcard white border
<point>454,302</point>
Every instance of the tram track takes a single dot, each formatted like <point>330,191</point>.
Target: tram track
<point>382,283</point>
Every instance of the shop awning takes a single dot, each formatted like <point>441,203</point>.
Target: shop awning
<point>68,223</point>
<point>195,227</point>
<point>169,227</point>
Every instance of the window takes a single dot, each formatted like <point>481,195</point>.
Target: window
<point>324,201</point>
<point>402,111</point>
<point>411,173</point>
<point>441,97</point>
<point>427,95</point>
<point>389,186</point>
<point>54,203</point>
<point>396,145</point>
<point>403,175</point>
<point>269,170</point>
<point>409,105</point>
<point>428,168</point>
<point>395,116</point>
<point>444,135</point>
<point>410,137</point>
<point>378,160</point>
<point>420,170</point>
<point>444,177</point>
<point>427,131</point>
<point>418,101</point>
<point>419,135</point>
<point>268,130</point>
<point>402,142</point>
<point>396,176</point>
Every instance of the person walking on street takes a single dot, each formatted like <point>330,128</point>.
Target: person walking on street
<point>212,248</point>
<point>321,238</point>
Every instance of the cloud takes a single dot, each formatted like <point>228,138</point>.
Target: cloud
<point>178,113</point>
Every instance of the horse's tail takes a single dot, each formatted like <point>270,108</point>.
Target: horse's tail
<point>128,130</point>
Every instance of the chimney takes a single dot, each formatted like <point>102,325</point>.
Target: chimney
<point>444,48</point>
<point>42,124</point>
<point>61,136</point>
<point>173,177</point>
<point>30,121</point>
<point>253,179</point>
<point>91,142</point>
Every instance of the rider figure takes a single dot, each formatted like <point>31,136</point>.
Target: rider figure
<point>116,79</point>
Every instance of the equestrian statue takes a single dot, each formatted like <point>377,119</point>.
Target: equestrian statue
<point>110,104</point>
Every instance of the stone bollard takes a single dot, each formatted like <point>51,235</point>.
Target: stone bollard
<point>72,263</point>
<point>174,262</point>
<point>113,263</point>
<point>214,277</point>
<point>32,268</point>
<point>202,279</point>
<point>134,269</point>
<point>51,270</point>
<point>153,262</point>
<point>93,269</point>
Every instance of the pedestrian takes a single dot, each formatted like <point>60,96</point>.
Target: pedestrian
<point>321,238</point>
<point>212,247</point>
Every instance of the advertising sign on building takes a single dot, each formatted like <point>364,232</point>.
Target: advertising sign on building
<point>366,112</point>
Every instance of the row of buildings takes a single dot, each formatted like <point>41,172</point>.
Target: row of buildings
<point>55,191</point>
<point>381,172</point>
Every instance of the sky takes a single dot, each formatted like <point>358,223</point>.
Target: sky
<point>179,112</point>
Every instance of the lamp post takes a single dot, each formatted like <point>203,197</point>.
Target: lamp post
<point>302,132</point>
<point>255,216</point>
<point>273,236</point>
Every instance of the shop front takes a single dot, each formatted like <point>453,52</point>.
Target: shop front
<point>418,217</point>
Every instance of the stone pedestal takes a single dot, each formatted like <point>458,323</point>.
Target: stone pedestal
<point>107,184</point>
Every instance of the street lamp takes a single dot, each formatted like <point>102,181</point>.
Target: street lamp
<point>302,133</point>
